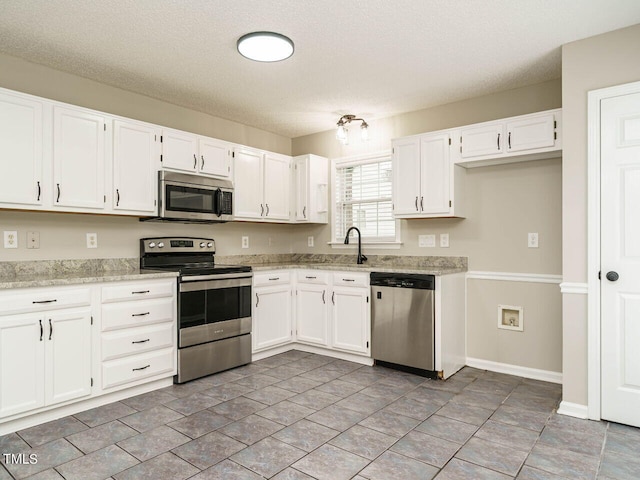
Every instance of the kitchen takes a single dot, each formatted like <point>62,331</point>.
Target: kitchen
<point>508,193</point>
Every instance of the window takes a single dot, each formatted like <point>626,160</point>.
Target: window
<point>363,200</point>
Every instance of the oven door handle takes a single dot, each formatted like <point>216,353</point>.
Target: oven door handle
<point>213,278</point>
<point>214,284</point>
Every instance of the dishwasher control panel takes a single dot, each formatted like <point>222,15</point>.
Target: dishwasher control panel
<point>403,280</point>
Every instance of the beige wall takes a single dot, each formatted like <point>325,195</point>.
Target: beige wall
<point>596,62</point>
<point>504,203</point>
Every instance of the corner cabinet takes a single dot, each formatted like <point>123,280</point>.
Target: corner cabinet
<point>271,309</point>
<point>262,185</point>
<point>526,137</point>
<point>313,295</point>
<point>426,183</point>
<point>310,189</point>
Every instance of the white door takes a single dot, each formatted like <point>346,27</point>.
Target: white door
<point>271,316</point>
<point>67,356</point>
<point>301,179</point>
<point>406,176</point>
<point>248,181</point>
<point>435,171</point>
<point>21,364</point>
<point>351,319</point>
<point>482,140</point>
<point>179,151</point>
<point>531,133</point>
<point>215,157</point>
<point>620,253</point>
<point>134,167</point>
<point>277,181</point>
<point>78,158</point>
<point>20,150</point>
<point>312,314</point>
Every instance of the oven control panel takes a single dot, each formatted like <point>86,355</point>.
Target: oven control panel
<point>177,245</point>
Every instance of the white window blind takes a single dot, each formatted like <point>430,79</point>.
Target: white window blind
<point>363,200</point>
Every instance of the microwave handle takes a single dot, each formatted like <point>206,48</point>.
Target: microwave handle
<point>220,196</point>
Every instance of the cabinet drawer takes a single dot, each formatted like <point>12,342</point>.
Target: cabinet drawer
<point>277,277</point>
<point>351,279</point>
<point>138,291</point>
<point>138,367</point>
<point>136,314</point>
<point>312,276</point>
<point>44,299</point>
<point>137,340</point>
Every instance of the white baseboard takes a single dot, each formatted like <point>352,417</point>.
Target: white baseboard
<point>573,410</point>
<point>526,372</point>
<point>515,277</point>
<point>312,349</point>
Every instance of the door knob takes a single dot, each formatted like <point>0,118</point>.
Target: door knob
<point>612,276</point>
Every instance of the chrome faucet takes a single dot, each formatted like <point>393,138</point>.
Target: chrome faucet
<point>361,257</point>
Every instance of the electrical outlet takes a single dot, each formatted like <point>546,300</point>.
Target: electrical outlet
<point>444,240</point>
<point>310,241</point>
<point>10,239</point>
<point>92,240</point>
<point>532,240</point>
<point>426,240</point>
<point>33,239</point>
<point>245,242</point>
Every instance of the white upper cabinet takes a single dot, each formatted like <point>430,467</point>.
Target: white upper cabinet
<point>262,185</point>
<point>135,158</point>
<point>21,154</point>
<point>187,152</point>
<point>310,189</point>
<point>527,137</point>
<point>179,150</point>
<point>215,157</point>
<point>78,159</point>
<point>425,181</point>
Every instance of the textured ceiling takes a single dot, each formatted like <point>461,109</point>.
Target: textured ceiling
<point>374,58</point>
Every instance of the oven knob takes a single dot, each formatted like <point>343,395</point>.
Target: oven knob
<point>210,245</point>
<point>160,245</point>
<point>152,244</point>
<point>202,244</point>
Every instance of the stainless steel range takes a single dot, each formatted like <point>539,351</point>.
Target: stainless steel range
<point>214,304</point>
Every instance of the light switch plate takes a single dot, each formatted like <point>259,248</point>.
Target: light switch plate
<point>444,240</point>
<point>426,240</point>
<point>10,239</point>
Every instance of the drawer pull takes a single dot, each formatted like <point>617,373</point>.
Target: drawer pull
<point>348,280</point>
<point>140,292</point>
<point>141,368</point>
<point>311,278</point>
<point>141,341</point>
<point>140,314</point>
<point>274,278</point>
<point>44,301</point>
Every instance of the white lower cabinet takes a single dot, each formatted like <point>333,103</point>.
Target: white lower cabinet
<point>272,310</point>
<point>331,310</point>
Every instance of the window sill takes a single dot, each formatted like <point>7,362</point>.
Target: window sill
<point>354,245</point>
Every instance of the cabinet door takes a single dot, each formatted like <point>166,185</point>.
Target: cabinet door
<point>482,140</point>
<point>277,180</point>
<point>271,316</point>
<point>21,364</point>
<point>67,355</point>
<point>134,167</point>
<point>215,157</point>
<point>20,150</point>
<point>531,133</point>
<point>312,314</point>
<point>406,176</point>
<point>301,180</point>
<point>78,159</point>
<point>247,171</point>
<point>179,151</point>
<point>435,172</point>
<point>351,319</point>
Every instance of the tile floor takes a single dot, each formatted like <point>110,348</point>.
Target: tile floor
<point>299,416</point>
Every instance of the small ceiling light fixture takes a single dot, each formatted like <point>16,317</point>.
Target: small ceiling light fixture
<point>265,46</point>
<point>343,133</point>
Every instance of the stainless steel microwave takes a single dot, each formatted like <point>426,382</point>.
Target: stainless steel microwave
<point>192,198</point>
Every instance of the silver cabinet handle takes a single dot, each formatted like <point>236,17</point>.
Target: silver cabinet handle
<point>417,204</point>
<point>195,161</point>
<point>261,210</point>
<point>257,299</point>
<point>141,368</point>
<point>202,164</point>
<point>141,341</point>
<point>333,298</point>
<point>304,212</point>
<point>421,203</point>
<point>267,205</point>
<point>323,293</point>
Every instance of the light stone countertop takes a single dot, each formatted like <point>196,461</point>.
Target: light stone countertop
<point>76,278</point>
<point>433,270</point>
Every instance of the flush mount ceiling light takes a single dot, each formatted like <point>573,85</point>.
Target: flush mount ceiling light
<point>265,46</point>
<point>343,133</point>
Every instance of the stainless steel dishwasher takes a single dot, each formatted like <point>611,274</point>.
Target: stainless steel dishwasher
<point>402,314</point>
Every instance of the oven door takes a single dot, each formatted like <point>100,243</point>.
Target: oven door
<point>214,309</point>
